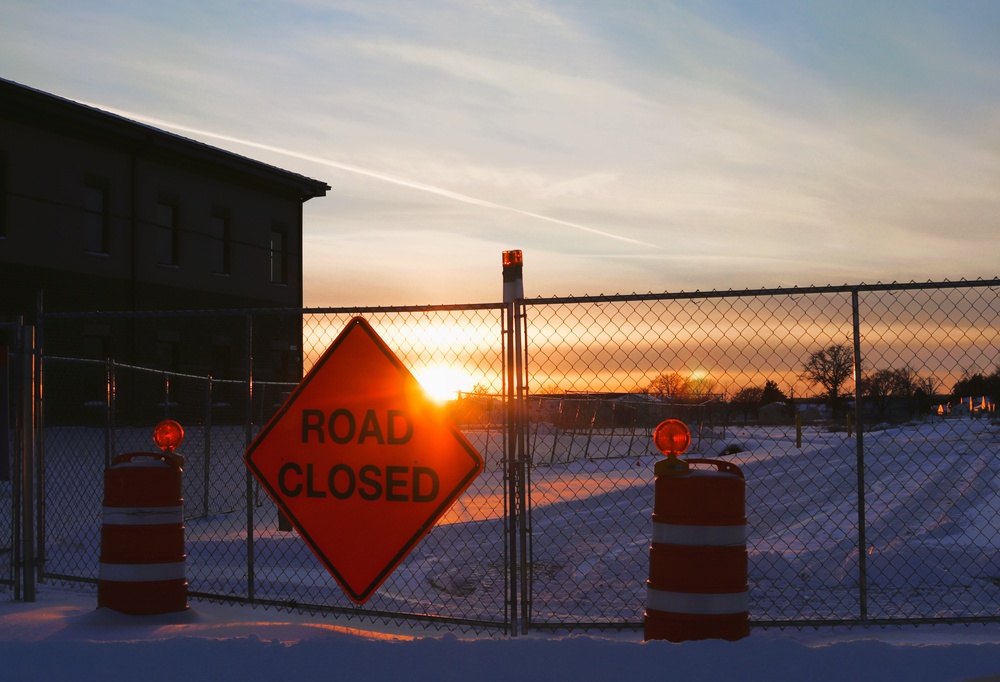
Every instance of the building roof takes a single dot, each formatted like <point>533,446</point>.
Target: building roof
<point>37,108</point>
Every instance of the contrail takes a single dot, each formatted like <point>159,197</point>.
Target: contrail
<point>412,184</point>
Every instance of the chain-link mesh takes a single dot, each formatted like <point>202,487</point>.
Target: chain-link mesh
<point>742,370</point>
<point>930,371</point>
<point>797,387</point>
<point>96,410</point>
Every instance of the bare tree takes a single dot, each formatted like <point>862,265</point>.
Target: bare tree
<point>830,368</point>
<point>884,384</point>
<point>701,387</point>
<point>670,385</point>
<point>748,400</point>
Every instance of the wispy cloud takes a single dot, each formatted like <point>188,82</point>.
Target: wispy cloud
<point>376,175</point>
<point>634,145</point>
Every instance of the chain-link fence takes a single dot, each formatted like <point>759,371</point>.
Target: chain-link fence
<point>875,509</point>
<point>236,547</point>
<point>863,419</point>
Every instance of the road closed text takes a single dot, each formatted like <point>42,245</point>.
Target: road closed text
<point>341,426</point>
<point>369,482</point>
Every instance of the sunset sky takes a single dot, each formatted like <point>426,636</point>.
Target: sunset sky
<point>623,145</point>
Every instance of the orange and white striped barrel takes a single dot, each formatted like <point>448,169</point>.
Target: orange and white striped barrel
<point>697,587</point>
<point>143,564</point>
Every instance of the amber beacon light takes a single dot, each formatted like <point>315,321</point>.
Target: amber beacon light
<point>513,279</point>
<point>168,435</point>
<point>672,437</point>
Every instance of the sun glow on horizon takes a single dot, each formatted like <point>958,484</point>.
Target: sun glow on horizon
<point>444,382</point>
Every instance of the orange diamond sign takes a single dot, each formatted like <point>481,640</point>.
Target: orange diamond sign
<point>361,461</point>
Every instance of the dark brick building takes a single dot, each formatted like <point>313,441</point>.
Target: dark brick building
<point>98,212</point>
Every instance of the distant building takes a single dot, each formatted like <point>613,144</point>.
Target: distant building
<point>98,212</point>
<point>975,406</point>
<point>775,413</point>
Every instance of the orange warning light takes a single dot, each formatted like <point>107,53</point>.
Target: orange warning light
<point>168,435</point>
<point>511,258</point>
<point>672,437</point>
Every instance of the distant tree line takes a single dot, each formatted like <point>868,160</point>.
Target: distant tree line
<point>894,392</point>
<point>979,385</point>
<point>831,367</point>
<point>900,386</point>
<point>749,400</point>
<point>673,385</point>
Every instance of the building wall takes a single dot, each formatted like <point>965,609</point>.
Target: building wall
<point>47,174</point>
<point>82,206</point>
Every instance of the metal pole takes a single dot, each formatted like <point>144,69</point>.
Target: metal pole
<point>513,290</point>
<point>524,470</point>
<point>611,438</point>
<point>248,437</point>
<point>109,402</point>
<point>114,411</point>
<point>511,467</point>
<point>38,428</point>
<point>207,459</point>
<point>858,412</point>
<point>28,463</point>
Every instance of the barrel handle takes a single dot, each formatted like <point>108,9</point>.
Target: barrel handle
<point>721,465</point>
<point>127,457</point>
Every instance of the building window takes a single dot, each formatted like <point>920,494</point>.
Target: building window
<point>279,255</point>
<point>96,215</point>
<point>167,231</point>
<point>167,342</point>
<point>221,244</point>
<point>222,359</point>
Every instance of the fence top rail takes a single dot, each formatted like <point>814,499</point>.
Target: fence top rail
<point>244,312</point>
<point>780,291</point>
<point>540,301</point>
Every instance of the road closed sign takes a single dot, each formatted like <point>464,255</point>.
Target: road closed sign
<point>361,461</point>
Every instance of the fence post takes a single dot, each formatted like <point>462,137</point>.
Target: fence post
<point>513,294</point>
<point>207,459</point>
<point>611,438</point>
<point>166,396</point>
<point>248,437</point>
<point>590,432</point>
<point>523,457</point>
<point>862,538</point>
<point>27,347</point>
<point>109,406</point>
<point>556,431</point>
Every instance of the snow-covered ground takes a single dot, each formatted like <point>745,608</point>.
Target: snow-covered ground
<point>62,636</point>
<point>932,493</point>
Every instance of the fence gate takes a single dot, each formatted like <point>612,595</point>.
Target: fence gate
<point>222,375</point>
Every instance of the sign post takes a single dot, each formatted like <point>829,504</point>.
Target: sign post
<point>361,461</point>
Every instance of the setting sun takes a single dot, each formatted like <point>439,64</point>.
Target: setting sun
<point>444,382</point>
